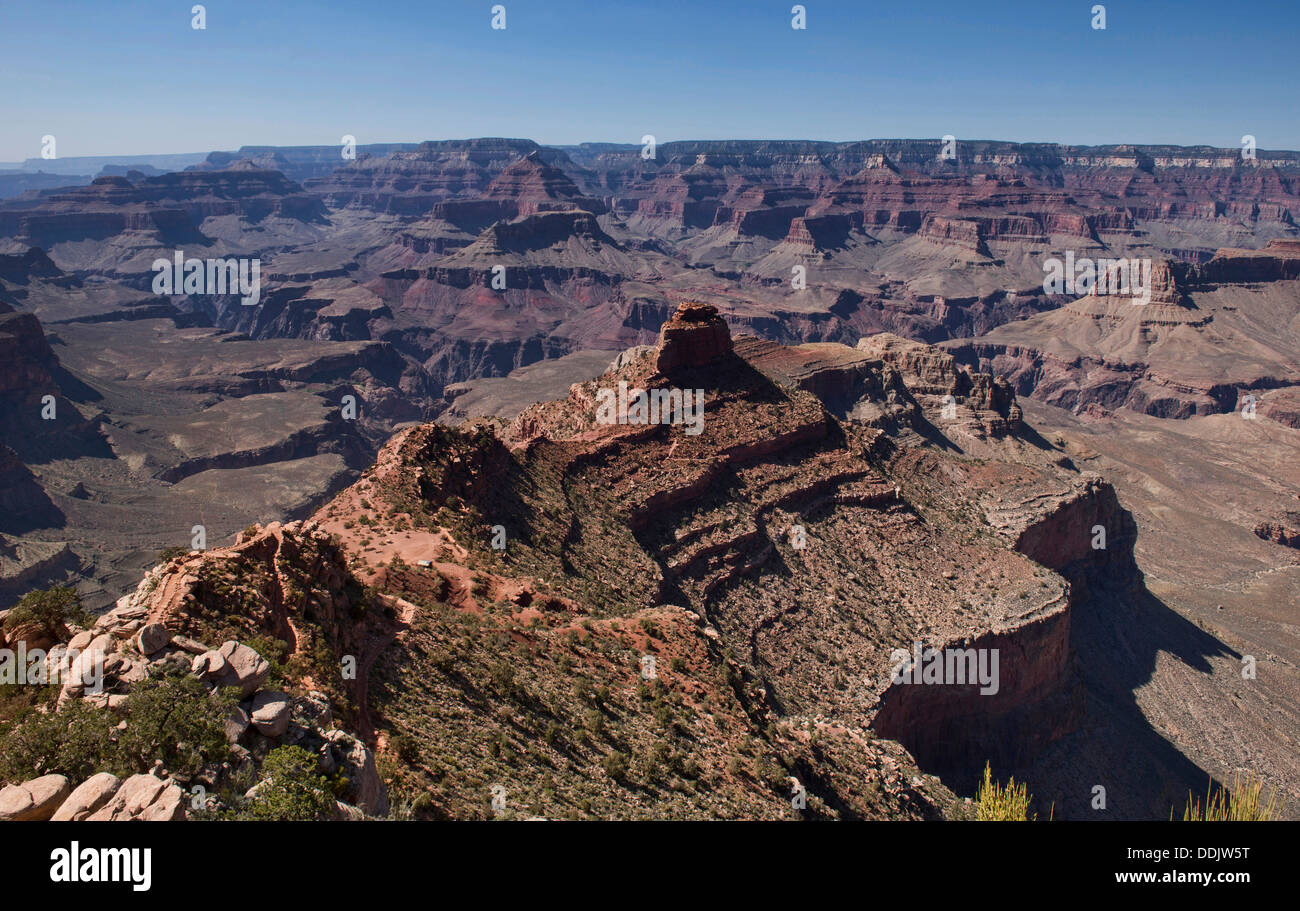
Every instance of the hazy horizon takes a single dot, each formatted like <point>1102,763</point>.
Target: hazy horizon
<point>108,81</point>
<point>630,145</point>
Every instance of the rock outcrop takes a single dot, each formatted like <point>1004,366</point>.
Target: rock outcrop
<point>282,581</point>
<point>1278,533</point>
<point>35,800</point>
<point>694,337</point>
<point>142,798</point>
<point>808,516</point>
<point>88,798</point>
<point>987,402</point>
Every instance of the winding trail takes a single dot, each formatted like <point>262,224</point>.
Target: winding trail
<point>281,598</point>
<point>376,643</point>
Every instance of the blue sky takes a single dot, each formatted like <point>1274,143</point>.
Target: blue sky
<point>134,78</point>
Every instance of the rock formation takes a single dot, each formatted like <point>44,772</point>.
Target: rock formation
<point>695,337</point>
<point>902,397</point>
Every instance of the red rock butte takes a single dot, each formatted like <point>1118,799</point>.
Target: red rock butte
<point>696,335</point>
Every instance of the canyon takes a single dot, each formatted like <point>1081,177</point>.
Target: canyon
<point>880,364</point>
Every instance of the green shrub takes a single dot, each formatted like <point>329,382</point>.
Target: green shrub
<point>275,651</point>
<point>174,718</point>
<point>76,741</point>
<point>616,765</point>
<point>406,748</point>
<point>50,609</point>
<point>291,788</point>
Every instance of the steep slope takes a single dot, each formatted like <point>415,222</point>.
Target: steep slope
<point>778,549</point>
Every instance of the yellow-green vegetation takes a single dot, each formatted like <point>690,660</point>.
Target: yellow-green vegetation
<point>1241,801</point>
<point>50,610</point>
<point>291,788</point>
<point>1003,802</point>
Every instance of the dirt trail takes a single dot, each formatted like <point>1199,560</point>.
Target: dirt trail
<point>281,599</point>
<point>375,645</point>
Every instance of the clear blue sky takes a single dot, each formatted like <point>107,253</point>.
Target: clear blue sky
<point>128,78</point>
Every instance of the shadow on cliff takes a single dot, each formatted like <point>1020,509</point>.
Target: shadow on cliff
<point>1119,630</point>
<point>1117,637</point>
<point>935,436</point>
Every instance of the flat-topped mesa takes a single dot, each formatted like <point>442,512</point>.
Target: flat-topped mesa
<point>696,335</point>
<point>1278,261</point>
<point>1283,247</point>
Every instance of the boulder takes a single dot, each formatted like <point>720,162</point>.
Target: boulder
<point>270,713</point>
<point>192,646</point>
<point>102,644</point>
<point>89,796</point>
<point>56,662</point>
<point>169,806</point>
<point>113,701</point>
<point>143,797</point>
<point>35,800</point>
<point>34,634</point>
<point>211,664</point>
<point>236,725</point>
<point>245,668</point>
<point>152,638</point>
<point>85,674</point>
<point>122,620</point>
<point>132,671</point>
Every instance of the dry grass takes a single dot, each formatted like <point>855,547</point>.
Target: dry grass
<point>1003,802</point>
<point>1239,802</point>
